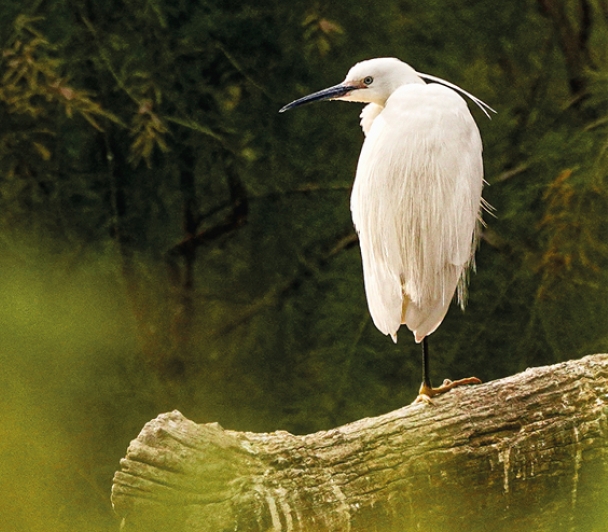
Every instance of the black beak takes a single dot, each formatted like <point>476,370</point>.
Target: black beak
<point>326,94</point>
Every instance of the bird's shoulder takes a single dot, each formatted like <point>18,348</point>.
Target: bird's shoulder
<point>427,99</point>
<point>417,110</point>
<point>421,123</point>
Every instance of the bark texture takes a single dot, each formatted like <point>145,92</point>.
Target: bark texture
<point>528,452</point>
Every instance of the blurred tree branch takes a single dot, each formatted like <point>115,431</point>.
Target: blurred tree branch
<point>306,269</point>
<point>236,217</point>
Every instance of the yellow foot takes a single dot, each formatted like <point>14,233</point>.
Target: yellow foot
<point>426,392</point>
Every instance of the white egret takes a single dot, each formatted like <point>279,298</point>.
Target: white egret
<point>416,201</point>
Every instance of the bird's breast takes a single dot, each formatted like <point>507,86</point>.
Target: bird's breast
<point>368,115</point>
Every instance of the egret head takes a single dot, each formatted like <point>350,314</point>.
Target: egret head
<point>371,81</point>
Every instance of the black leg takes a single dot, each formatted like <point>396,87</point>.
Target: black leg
<point>426,389</point>
<point>426,378</point>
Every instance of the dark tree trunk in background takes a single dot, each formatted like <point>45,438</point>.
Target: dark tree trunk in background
<point>181,258</point>
<point>181,268</point>
<point>529,452</point>
<point>122,231</point>
<point>573,38</point>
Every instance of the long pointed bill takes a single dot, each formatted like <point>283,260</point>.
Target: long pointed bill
<point>326,94</point>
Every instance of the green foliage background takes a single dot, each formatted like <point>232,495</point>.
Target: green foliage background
<point>168,240</point>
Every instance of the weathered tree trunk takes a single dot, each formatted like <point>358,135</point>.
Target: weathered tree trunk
<point>529,452</point>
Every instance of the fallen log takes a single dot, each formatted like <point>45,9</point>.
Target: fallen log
<point>528,452</point>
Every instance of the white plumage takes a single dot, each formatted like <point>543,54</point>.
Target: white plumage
<point>416,201</point>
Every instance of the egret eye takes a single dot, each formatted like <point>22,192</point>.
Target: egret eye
<point>368,80</point>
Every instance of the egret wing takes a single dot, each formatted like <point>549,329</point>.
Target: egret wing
<point>416,203</point>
